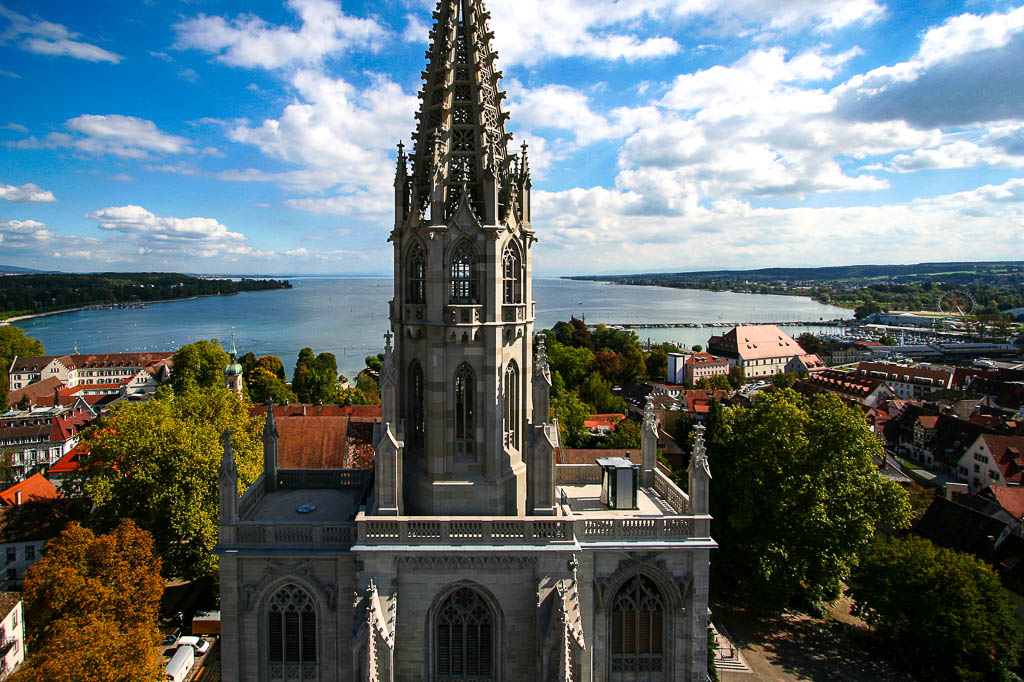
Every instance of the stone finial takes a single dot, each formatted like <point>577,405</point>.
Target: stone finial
<point>228,467</point>
<point>649,418</point>
<point>542,351</point>
<point>270,426</point>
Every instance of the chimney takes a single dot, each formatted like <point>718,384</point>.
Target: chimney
<point>17,497</point>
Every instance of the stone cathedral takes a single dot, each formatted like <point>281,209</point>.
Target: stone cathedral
<point>468,552</point>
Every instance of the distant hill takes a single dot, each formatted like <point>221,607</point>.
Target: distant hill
<point>15,268</point>
<point>955,272</point>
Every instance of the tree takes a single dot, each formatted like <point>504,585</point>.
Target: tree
<point>199,365</point>
<point>717,382</point>
<point>156,463</point>
<point>574,364</point>
<point>13,341</point>
<point>627,435</point>
<point>887,340</point>
<point>944,612</point>
<point>300,377</point>
<point>264,385</point>
<point>323,378</point>
<point>797,497</point>
<point>597,392</point>
<point>657,365</point>
<point>736,377</point>
<point>91,604</point>
<point>866,309</point>
<point>697,348</point>
<point>809,342</point>
<point>273,365</point>
<point>571,413</point>
<point>25,402</point>
<point>784,379</point>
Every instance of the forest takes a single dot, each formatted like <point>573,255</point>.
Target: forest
<point>49,292</point>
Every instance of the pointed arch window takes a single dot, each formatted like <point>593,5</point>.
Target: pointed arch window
<point>511,266</point>
<point>512,400</point>
<point>462,275</point>
<point>638,638</point>
<point>417,410</point>
<point>416,271</point>
<point>464,637</point>
<point>291,634</point>
<point>465,385</point>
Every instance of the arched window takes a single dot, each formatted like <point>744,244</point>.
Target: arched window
<point>637,630</point>
<point>417,424</point>
<point>465,643</point>
<point>291,634</point>
<point>512,405</point>
<point>463,279</point>
<point>511,270</point>
<point>464,411</point>
<point>416,270</point>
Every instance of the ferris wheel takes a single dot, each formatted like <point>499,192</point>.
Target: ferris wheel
<point>957,302</point>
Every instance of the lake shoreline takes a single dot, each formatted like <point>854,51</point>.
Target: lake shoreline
<point>16,318</point>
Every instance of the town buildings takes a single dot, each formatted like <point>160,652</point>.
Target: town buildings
<point>127,373</point>
<point>12,633</point>
<point>762,351</point>
<point>25,527</point>
<point>36,438</point>
<point>474,554</point>
<point>690,368</point>
<point>908,381</point>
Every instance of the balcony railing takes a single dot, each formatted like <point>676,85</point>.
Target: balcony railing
<point>246,533</point>
<point>513,312</point>
<point>463,314</point>
<point>670,492</point>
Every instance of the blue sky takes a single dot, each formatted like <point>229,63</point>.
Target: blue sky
<point>259,137</point>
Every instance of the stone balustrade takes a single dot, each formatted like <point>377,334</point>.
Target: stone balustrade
<point>247,534</point>
<point>670,492</point>
<point>329,479</point>
<point>463,314</point>
<point>577,473</point>
<point>511,312</point>
<point>252,497</point>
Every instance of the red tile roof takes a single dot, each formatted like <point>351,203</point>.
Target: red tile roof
<point>70,462</point>
<point>316,442</point>
<point>758,341</point>
<point>1008,453</point>
<point>299,410</point>
<point>39,393</point>
<point>35,488</point>
<point>1010,498</point>
<point>703,359</point>
<point>845,382</point>
<point>93,360</point>
<point>591,455</point>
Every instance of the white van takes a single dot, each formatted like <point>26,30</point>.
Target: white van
<point>180,664</point>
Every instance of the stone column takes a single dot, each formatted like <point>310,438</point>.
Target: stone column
<point>387,464</point>
<point>270,450</point>
<point>227,482</point>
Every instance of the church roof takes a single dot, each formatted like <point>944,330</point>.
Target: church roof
<point>324,442</point>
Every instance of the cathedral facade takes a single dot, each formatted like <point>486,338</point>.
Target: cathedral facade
<point>467,553</point>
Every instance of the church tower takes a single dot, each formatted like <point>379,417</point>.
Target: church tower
<point>463,311</point>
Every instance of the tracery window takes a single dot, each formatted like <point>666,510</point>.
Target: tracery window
<point>464,411</point>
<point>417,423</point>
<point>465,645</point>
<point>291,634</point>
<point>511,269</point>
<point>512,405</point>
<point>461,275</point>
<point>637,631</point>
<point>416,269</point>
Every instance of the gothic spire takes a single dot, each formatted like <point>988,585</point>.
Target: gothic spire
<point>461,147</point>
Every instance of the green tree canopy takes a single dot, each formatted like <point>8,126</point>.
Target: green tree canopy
<point>797,497</point>
<point>571,413</point>
<point>657,365</point>
<point>14,341</point>
<point>91,604</point>
<point>156,463</point>
<point>199,365</point>
<point>865,309</point>
<point>944,613</point>
<point>627,435</point>
<point>809,342</point>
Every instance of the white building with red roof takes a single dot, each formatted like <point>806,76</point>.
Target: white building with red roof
<point>762,350</point>
<point>128,373</point>
<point>38,437</point>
<point>992,460</point>
<point>690,368</point>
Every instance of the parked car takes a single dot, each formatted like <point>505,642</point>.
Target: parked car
<point>200,645</point>
<point>171,638</point>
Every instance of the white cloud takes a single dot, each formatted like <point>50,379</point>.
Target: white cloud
<point>766,17</point>
<point>415,29</point>
<point>123,136</point>
<point>45,37</point>
<point>18,234</point>
<point>960,154</point>
<point>249,41</point>
<point>966,71</point>
<point>582,231</point>
<point>152,234</point>
<point>17,127</point>
<point>27,193</point>
<point>530,31</point>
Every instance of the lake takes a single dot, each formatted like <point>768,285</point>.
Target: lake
<point>348,317</point>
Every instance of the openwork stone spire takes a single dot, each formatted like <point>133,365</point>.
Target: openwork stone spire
<point>461,147</point>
